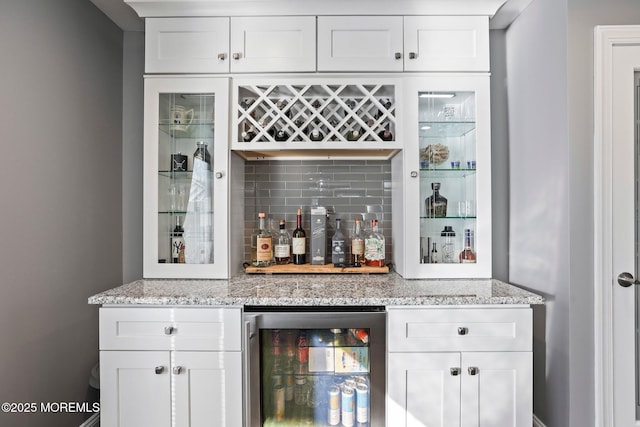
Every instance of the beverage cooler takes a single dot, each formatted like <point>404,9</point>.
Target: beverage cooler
<point>315,366</point>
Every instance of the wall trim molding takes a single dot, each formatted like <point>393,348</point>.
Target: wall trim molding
<point>605,38</point>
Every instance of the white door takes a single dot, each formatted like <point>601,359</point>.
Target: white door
<point>136,389</point>
<point>626,60</point>
<point>423,389</point>
<point>617,169</point>
<point>208,388</point>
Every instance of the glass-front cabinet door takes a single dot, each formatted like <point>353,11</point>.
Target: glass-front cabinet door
<point>185,177</point>
<point>447,167</point>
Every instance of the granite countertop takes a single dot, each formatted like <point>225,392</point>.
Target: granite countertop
<point>316,289</point>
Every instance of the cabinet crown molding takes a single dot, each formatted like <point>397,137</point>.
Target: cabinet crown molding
<point>178,8</point>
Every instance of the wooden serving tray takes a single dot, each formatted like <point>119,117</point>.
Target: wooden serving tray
<point>314,269</point>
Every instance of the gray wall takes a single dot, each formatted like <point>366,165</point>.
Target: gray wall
<point>61,137</point>
<point>132,149</point>
<point>550,90</point>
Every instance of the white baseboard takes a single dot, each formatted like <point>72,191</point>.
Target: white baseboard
<point>537,422</point>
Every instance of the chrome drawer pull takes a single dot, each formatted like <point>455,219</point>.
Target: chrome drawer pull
<point>455,372</point>
<point>473,370</point>
<point>159,370</point>
<point>463,331</point>
<point>169,330</point>
<point>177,370</point>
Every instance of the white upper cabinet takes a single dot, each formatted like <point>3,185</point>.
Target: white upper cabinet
<point>446,43</point>
<point>273,44</point>
<point>187,45</point>
<point>360,43</point>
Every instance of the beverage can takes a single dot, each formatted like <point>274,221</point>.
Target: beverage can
<point>362,403</point>
<point>348,398</point>
<point>333,414</point>
<point>278,402</point>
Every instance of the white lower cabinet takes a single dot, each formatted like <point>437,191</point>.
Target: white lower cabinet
<point>184,384</point>
<point>447,387</point>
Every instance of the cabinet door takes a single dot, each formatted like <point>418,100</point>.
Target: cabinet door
<point>208,388</point>
<point>187,45</point>
<point>446,213</point>
<point>273,44</point>
<point>185,178</point>
<point>360,43</point>
<point>423,389</point>
<point>135,389</point>
<point>446,43</point>
<point>497,389</point>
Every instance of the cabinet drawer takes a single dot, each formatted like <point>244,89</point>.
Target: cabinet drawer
<point>212,329</point>
<point>441,329</point>
<point>187,45</point>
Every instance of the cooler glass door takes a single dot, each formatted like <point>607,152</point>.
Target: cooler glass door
<point>317,369</point>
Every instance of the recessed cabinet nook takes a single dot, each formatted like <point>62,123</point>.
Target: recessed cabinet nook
<point>406,82</point>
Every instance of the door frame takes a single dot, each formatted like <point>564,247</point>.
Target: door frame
<point>606,38</point>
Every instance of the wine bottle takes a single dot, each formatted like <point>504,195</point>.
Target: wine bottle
<point>338,252</point>
<point>248,135</point>
<point>299,242</point>
<point>281,135</point>
<point>468,254</point>
<point>177,243</point>
<point>261,245</point>
<point>434,254</point>
<point>316,135</point>
<point>374,246</point>
<point>353,135</point>
<point>357,245</point>
<point>385,134</point>
<point>282,247</point>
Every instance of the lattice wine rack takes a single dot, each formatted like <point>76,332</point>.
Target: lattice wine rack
<point>291,113</point>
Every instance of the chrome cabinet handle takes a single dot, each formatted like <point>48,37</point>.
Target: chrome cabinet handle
<point>455,372</point>
<point>414,174</point>
<point>236,55</point>
<point>219,174</point>
<point>222,56</point>
<point>159,370</point>
<point>177,370</point>
<point>412,55</point>
<point>626,279</point>
<point>169,330</point>
<point>463,331</point>
<point>398,55</point>
<point>473,370</point>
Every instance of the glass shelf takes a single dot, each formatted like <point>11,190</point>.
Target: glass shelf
<point>446,173</point>
<point>447,217</point>
<point>445,129</point>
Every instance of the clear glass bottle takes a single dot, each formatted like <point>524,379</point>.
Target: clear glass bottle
<point>282,246</point>
<point>374,246</point>
<point>448,245</point>
<point>468,255</point>
<point>338,246</point>
<point>357,244</point>
<point>434,254</point>
<point>261,245</point>
<point>436,204</point>
<point>202,153</point>
<point>299,242</point>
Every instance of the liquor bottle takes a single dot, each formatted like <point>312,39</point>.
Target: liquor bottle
<point>357,245</point>
<point>202,153</point>
<point>261,245</point>
<point>436,204</point>
<point>177,243</point>
<point>299,242</point>
<point>281,104</point>
<point>374,246</point>
<point>338,246</point>
<point>282,247</point>
<point>448,245</point>
<point>468,255</point>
